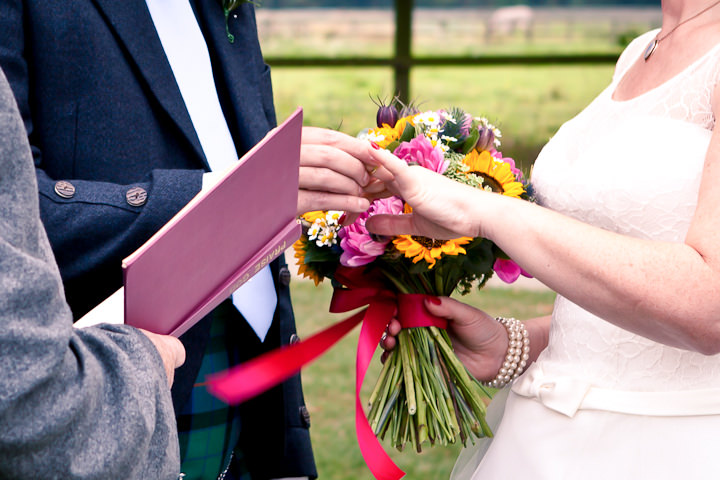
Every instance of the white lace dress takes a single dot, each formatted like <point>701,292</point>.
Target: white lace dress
<point>601,402</point>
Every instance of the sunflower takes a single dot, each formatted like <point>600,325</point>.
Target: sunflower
<point>429,249</point>
<point>300,247</point>
<point>496,174</point>
<point>386,134</point>
<point>312,216</point>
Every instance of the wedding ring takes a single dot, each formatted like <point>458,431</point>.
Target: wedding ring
<point>384,336</point>
<point>374,169</point>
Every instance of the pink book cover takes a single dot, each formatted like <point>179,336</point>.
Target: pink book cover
<point>220,239</point>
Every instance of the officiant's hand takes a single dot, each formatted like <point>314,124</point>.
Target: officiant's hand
<point>479,341</point>
<point>334,172</point>
<point>171,351</point>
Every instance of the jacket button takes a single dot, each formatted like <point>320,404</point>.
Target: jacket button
<point>305,416</point>
<point>284,276</point>
<point>136,197</point>
<point>65,189</point>
<point>294,339</point>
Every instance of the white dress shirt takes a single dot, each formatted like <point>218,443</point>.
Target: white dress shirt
<point>189,59</point>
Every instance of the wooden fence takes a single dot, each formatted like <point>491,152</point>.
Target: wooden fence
<point>402,60</point>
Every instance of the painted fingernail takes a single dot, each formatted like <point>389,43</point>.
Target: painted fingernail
<point>434,300</point>
<point>375,145</point>
<point>342,218</point>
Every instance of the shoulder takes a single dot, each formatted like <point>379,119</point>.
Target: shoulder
<point>633,51</point>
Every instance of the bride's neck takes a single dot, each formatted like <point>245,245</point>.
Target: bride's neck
<point>676,11</point>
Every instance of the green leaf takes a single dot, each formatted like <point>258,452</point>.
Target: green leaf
<point>471,141</point>
<point>321,254</point>
<point>408,134</point>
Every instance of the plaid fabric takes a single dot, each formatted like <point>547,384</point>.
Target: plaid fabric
<point>209,429</point>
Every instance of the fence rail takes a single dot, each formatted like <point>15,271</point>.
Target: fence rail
<point>402,59</point>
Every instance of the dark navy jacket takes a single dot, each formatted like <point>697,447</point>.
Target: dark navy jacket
<point>104,113</point>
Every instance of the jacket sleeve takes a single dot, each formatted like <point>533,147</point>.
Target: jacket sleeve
<point>82,404</point>
<point>94,229</point>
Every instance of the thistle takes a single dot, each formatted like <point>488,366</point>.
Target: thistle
<point>386,114</point>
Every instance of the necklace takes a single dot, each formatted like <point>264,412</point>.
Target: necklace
<point>653,45</point>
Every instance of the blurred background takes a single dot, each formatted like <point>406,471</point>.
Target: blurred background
<point>527,67</point>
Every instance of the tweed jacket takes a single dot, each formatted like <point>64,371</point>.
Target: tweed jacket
<point>81,404</point>
<point>117,156</point>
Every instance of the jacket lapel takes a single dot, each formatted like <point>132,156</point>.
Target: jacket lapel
<point>131,21</point>
<point>237,67</point>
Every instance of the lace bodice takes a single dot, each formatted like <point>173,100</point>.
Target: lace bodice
<point>632,167</point>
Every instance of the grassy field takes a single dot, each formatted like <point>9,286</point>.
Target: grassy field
<point>528,103</point>
<point>329,384</point>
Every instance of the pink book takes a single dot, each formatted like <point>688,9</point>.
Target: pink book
<point>220,239</point>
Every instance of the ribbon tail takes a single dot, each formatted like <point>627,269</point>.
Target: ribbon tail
<point>254,377</point>
<point>377,460</point>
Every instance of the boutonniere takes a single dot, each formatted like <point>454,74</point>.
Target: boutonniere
<point>229,6</point>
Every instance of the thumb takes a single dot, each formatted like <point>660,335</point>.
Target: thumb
<point>459,313</point>
<point>390,225</point>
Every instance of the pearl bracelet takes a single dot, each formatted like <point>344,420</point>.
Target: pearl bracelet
<point>518,353</point>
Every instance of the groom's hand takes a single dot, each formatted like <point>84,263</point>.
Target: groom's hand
<point>334,172</point>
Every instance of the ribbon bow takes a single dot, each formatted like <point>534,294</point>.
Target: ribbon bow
<point>262,373</point>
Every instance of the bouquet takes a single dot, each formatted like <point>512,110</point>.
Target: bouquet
<point>423,394</point>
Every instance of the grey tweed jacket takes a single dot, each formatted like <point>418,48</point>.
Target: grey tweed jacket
<point>74,404</point>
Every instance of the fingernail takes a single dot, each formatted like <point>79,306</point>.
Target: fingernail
<point>379,238</point>
<point>375,145</point>
<point>342,218</point>
<point>434,300</point>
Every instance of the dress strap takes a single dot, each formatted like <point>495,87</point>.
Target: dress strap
<point>632,52</point>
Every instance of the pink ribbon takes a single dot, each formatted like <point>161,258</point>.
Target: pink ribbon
<point>262,373</point>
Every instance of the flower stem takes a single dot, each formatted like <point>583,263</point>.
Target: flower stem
<point>407,371</point>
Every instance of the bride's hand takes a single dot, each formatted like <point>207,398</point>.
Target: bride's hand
<point>479,341</point>
<point>441,206</point>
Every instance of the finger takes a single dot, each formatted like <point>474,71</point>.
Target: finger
<point>389,165</point>
<point>408,224</point>
<point>388,343</point>
<point>394,327</point>
<point>309,201</point>
<point>461,314</point>
<point>325,180</point>
<point>335,159</point>
<point>179,351</point>
<point>360,149</point>
<point>350,218</point>
<point>389,225</point>
<point>375,186</point>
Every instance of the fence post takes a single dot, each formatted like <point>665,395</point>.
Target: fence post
<point>403,43</point>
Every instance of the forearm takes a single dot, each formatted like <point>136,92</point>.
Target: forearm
<point>624,280</point>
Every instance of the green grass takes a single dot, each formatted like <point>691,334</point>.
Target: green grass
<point>528,103</point>
<point>329,384</point>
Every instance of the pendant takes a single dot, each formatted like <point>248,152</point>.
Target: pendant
<point>650,49</point>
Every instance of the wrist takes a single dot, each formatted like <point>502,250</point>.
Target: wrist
<point>517,355</point>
